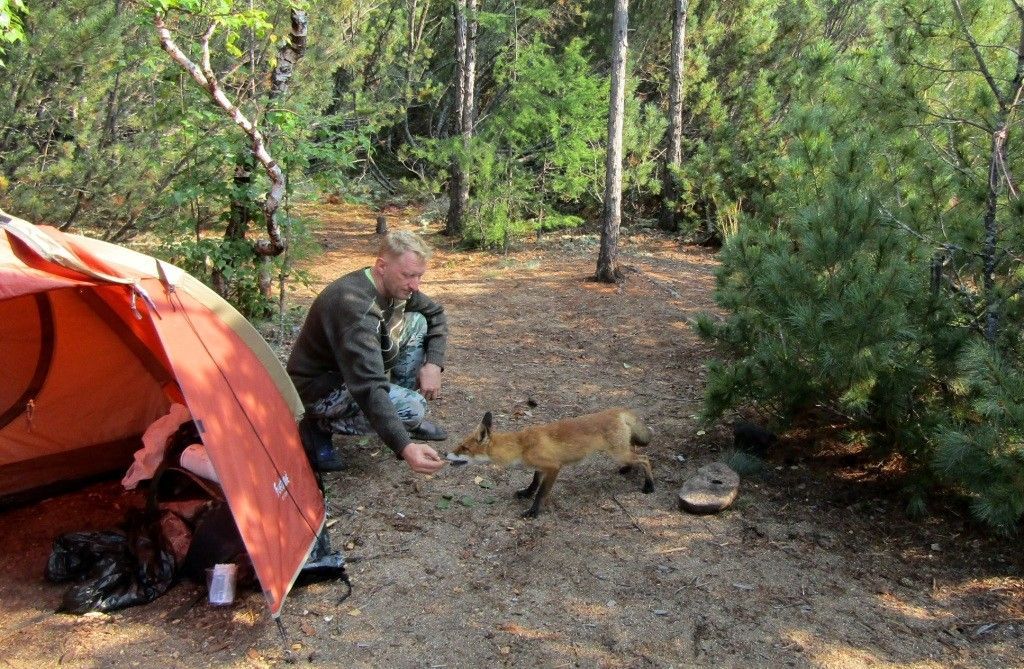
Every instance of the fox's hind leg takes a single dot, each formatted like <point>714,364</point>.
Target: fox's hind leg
<point>640,435</point>
<point>546,481</point>
<point>530,489</point>
<point>631,458</point>
<point>645,462</point>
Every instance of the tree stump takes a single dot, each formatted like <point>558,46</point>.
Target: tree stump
<point>382,225</point>
<point>713,488</point>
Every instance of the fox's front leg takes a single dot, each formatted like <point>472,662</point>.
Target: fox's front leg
<point>530,489</point>
<point>547,481</point>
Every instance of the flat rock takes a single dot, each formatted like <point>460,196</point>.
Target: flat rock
<point>713,488</point>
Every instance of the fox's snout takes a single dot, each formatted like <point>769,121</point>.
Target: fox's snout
<point>474,447</point>
<point>470,450</point>
<point>461,455</point>
<point>456,459</point>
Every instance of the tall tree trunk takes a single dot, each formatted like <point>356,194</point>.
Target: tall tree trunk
<point>239,216</point>
<point>453,223</point>
<point>469,100</point>
<point>468,97</point>
<point>289,54</point>
<point>674,157</point>
<point>1009,102</point>
<point>287,57</point>
<point>607,266</point>
<point>465,116</point>
<point>990,246</point>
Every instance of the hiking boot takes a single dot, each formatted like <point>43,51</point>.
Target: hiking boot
<point>318,446</point>
<point>328,460</point>
<point>428,431</point>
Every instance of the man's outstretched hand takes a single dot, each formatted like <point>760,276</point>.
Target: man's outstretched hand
<point>429,380</point>
<point>422,459</point>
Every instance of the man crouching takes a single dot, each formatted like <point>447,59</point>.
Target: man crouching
<point>370,340</point>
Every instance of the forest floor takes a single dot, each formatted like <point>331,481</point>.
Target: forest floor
<point>815,565</point>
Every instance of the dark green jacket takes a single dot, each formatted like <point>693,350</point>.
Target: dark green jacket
<point>340,345</point>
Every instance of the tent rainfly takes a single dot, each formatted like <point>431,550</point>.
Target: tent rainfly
<point>98,341</point>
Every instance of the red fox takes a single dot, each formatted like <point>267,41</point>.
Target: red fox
<point>548,447</point>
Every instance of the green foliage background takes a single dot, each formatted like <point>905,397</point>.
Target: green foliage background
<point>840,152</point>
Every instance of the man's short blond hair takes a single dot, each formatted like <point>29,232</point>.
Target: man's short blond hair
<point>397,242</point>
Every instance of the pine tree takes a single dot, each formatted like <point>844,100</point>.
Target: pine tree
<point>821,303</point>
<point>869,283</point>
<point>961,66</point>
<point>91,138</point>
<point>980,450</point>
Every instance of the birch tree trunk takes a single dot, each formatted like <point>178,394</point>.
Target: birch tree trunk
<point>674,156</point>
<point>289,54</point>
<point>287,58</point>
<point>469,100</point>
<point>607,265</point>
<point>205,77</point>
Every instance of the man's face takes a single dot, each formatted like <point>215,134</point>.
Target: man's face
<point>400,275</point>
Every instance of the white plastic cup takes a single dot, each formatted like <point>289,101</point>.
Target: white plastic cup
<point>222,584</point>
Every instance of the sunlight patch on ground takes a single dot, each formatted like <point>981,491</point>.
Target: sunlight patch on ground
<point>912,611</point>
<point>832,655</point>
<point>518,630</point>
<point>248,617</point>
<point>589,610</point>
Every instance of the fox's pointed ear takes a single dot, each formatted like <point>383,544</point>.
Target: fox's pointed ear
<point>484,431</point>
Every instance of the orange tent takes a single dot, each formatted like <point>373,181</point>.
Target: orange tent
<point>97,341</point>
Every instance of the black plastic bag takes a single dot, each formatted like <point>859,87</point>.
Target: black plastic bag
<point>75,554</point>
<point>324,564</point>
<point>114,569</point>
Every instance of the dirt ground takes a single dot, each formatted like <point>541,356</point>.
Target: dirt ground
<point>815,565</point>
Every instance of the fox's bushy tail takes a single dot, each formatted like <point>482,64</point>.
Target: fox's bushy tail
<point>640,434</point>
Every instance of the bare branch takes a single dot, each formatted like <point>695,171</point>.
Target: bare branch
<point>897,223</point>
<point>1011,185</point>
<point>207,69</point>
<point>171,47</point>
<point>206,79</point>
<point>957,120</point>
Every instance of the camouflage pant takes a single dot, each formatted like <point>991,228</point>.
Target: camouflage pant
<point>338,412</point>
